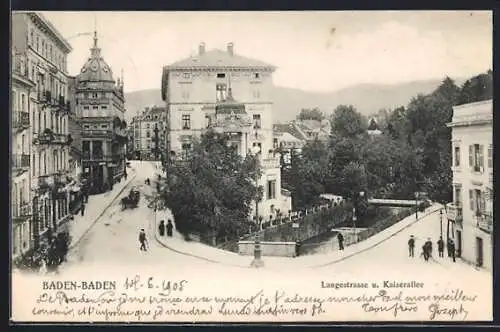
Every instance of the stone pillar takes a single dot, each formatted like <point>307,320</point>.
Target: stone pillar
<point>91,149</point>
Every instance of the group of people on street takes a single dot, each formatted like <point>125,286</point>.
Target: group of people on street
<point>427,248</point>
<point>161,229</point>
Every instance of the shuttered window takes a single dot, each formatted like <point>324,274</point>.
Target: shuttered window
<point>471,200</point>
<point>490,156</point>
<point>481,156</point>
<point>471,155</point>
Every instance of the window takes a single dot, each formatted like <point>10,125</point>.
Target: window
<point>95,107</point>
<point>490,156</point>
<point>186,75</point>
<point>148,134</point>
<point>256,121</point>
<point>208,121</point>
<point>220,89</point>
<point>256,94</point>
<point>104,107</point>
<point>457,156</point>
<point>34,163</point>
<point>271,189</point>
<point>86,126</point>
<point>186,121</point>
<point>85,107</point>
<point>221,75</point>
<point>95,95</point>
<point>476,157</point>
<point>37,43</point>
<point>186,148</point>
<point>457,197</point>
<point>147,125</point>
<point>104,126</point>
<point>156,117</point>
<point>185,95</point>
<point>257,75</point>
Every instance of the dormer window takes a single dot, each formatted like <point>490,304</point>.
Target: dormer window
<point>187,75</point>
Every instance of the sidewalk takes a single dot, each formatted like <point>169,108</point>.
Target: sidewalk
<point>208,253</point>
<point>95,207</point>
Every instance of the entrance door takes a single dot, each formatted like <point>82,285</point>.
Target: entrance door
<point>479,251</point>
<point>459,243</point>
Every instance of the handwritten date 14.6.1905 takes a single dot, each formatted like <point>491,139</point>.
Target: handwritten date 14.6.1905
<point>136,283</point>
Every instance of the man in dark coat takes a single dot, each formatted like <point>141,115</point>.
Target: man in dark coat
<point>161,228</point>
<point>142,240</point>
<point>411,246</point>
<point>340,238</point>
<point>452,249</point>
<point>169,228</point>
<point>440,244</point>
<point>429,247</point>
<point>82,209</point>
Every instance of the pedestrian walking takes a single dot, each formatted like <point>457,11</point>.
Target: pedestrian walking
<point>82,209</point>
<point>142,240</point>
<point>411,246</point>
<point>425,252</point>
<point>429,248</point>
<point>340,238</point>
<point>452,249</point>
<point>440,244</point>
<point>170,226</point>
<point>161,228</point>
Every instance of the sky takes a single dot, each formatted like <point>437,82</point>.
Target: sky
<point>314,51</point>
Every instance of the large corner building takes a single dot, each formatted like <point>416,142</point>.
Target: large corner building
<point>224,90</point>
<point>100,103</point>
<point>471,212</point>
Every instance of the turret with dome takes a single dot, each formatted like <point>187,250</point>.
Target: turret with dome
<point>96,70</point>
<point>101,106</point>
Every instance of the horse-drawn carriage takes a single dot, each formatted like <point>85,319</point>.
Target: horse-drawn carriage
<point>132,200</point>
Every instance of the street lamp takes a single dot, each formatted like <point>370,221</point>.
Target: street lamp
<point>354,218</point>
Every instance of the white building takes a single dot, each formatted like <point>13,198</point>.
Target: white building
<point>472,206</point>
<point>45,53</point>
<point>149,132</point>
<point>21,207</point>
<point>203,90</point>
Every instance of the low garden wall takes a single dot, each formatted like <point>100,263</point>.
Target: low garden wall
<point>282,249</point>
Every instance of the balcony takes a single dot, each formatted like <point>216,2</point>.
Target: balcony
<point>485,222</point>
<point>273,162</point>
<point>48,137</point>
<point>20,120</point>
<point>454,213</point>
<point>21,212</point>
<point>20,162</point>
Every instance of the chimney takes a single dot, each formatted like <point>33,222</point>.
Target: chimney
<point>201,49</point>
<point>230,49</point>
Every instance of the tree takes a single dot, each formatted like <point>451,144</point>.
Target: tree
<point>477,88</point>
<point>347,122</point>
<point>218,183</point>
<point>310,114</point>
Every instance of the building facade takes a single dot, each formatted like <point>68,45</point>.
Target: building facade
<point>149,129</point>
<point>45,54</point>
<point>194,88</point>
<point>471,212</point>
<point>21,196</point>
<point>100,103</point>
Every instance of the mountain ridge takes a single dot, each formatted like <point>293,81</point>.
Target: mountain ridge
<point>367,98</point>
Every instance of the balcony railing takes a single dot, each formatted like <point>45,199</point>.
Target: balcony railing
<point>20,120</point>
<point>485,222</point>
<point>49,137</point>
<point>454,213</point>
<point>21,212</point>
<point>20,161</point>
